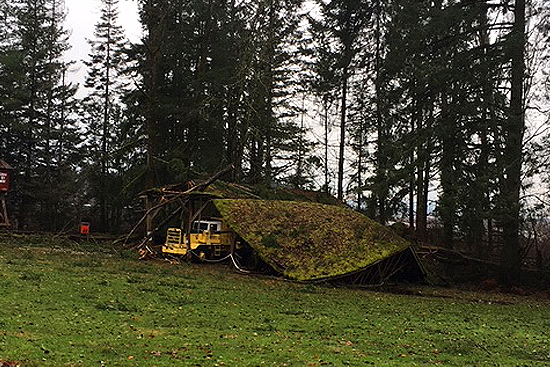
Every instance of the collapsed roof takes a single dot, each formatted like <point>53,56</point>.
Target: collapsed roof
<point>296,233</point>
<point>312,241</point>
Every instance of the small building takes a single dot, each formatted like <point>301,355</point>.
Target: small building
<point>5,176</point>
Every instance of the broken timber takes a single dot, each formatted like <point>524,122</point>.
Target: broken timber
<point>153,210</point>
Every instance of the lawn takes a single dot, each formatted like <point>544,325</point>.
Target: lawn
<point>74,306</point>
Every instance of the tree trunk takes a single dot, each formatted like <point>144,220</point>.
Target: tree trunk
<point>343,113</point>
<point>481,200</point>
<point>360,168</point>
<point>325,103</point>
<point>513,155</point>
<point>424,147</point>
<point>154,25</point>
<point>104,133</point>
<point>382,158</point>
<point>48,128</point>
<point>448,184</point>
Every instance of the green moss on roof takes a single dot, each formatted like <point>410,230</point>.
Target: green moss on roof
<point>308,241</point>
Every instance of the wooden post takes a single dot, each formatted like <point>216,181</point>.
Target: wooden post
<point>189,224</point>
<point>4,221</point>
<point>149,219</point>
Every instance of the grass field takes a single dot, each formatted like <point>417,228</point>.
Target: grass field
<point>63,306</point>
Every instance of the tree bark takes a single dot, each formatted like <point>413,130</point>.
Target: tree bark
<point>383,139</point>
<point>154,23</point>
<point>513,154</point>
<point>326,107</point>
<point>447,168</point>
<point>343,113</point>
<point>105,126</point>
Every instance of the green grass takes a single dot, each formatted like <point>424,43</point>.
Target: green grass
<point>66,308</point>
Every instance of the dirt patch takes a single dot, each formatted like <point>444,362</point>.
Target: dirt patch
<point>469,294</point>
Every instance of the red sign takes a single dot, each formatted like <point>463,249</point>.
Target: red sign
<point>4,181</point>
<point>85,228</point>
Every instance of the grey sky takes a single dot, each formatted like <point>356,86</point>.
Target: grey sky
<point>82,15</point>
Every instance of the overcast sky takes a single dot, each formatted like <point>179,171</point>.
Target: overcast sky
<point>82,15</point>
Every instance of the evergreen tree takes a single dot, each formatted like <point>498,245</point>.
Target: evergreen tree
<point>320,76</point>
<point>102,106</point>
<point>514,130</point>
<point>42,139</point>
<point>433,97</point>
<point>343,22</point>
<point>220,80</point>
<point>272,118</point>
<point>10,77</point>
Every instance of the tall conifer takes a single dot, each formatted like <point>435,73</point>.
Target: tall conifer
<point>106,84</point>
<point>42,134</point>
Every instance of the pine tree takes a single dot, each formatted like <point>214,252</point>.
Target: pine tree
<point>40,128</point>
<point>343,21</point>
<point>10,74</point>
<point>219,80</point>
<point>440,102</point>
<point>106,84</point>
<point>514,130</point>
<point>273,123</point>
<point>321,80</point>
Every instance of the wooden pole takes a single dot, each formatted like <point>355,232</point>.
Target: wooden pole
<point>4,221</point>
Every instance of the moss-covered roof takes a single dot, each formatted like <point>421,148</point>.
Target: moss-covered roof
<point>308,241</point>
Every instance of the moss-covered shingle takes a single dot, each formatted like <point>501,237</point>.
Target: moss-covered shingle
<point>308,241</point>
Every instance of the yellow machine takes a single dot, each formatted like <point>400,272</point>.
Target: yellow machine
<point>208,240</point>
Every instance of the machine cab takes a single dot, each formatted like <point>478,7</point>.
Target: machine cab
<point>204,225</point>
<point>208,240</point>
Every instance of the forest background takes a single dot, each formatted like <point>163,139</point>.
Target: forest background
<point>440,108</point>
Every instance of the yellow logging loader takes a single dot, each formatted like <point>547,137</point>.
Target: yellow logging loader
<point>207,240</point>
